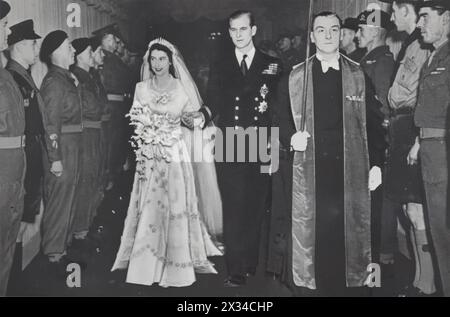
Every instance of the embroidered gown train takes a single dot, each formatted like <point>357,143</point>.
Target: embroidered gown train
<point>165,240</point>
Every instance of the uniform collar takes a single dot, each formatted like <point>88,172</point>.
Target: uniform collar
<point>16,66</point>
<point>65,72</point>
<point>109,55</point>
<point>443,49</point>
<point>22,71</point>
<point>81,74</point>
<point>376,52</point>
<point>60,70</point>
<point>439,53</point>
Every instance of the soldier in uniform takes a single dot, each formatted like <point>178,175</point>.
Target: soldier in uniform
<point>299,44</point>
<point>120,48</point>
<point>241,92</point>
<point>349,42</point>
<point>378,65</point>
<point>23,51</point>
<point>117,82</point>
<point>289,55</point>
<point>99,56</point>
<point>379,62</point>
<point>63,129</point>
<point>431,118</point>
<point>88,191</point>
<point>12,158</point>
<point>403,185</point>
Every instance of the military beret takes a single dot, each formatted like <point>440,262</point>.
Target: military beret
<point>351,24</point>
<point>80,45</point>
<point>95,43</point>
<point>51,43</point>
<point>4,9</point>
<point>22,31</point>
<point>376,18</point>
<point>440,4</point>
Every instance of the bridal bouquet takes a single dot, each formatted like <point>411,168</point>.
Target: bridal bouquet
<point>154,134</point>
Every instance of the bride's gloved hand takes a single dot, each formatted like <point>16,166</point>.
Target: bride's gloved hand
<point>193,119</point>
<point>188,120</point>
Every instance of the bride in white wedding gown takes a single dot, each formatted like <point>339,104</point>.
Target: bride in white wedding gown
<point>165,239</point>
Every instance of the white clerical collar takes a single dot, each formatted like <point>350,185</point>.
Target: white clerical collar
<point>248,60</point>
<point>329,63</point>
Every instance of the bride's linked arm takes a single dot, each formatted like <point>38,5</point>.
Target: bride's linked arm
<point>191,117</point>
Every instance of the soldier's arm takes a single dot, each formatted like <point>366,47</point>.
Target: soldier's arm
<point>376,135</point>
<point>4,108</point>
<point>53,96</point>
<point>383,75</point>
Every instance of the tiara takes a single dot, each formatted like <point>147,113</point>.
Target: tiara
<point>164,42</point>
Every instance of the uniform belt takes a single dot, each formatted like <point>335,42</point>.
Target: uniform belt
<point>402,111</point>
<point>72,128</point>
<point>106,117</point>
<point>14,142</point>
<point>112,97</point>
<point>92,124</point>
<point>431,133</point>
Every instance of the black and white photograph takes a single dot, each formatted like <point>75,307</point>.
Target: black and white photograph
<point>243,150</point>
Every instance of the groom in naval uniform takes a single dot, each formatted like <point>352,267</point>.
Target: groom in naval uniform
<point>240,93</point>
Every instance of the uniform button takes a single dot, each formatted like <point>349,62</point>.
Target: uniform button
<point>256,108</point>
<point>256,118</point>
<point>236,127</point>
<point>256,99</point>
<point>237,99</point>
<point>236,108</point>
<point>236,118</point>
<point>256,128</point>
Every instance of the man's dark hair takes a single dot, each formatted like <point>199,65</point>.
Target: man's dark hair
<point>401,2</point>
<point>325,14</point>
<point>239,13</point>
<point>440,10</point>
